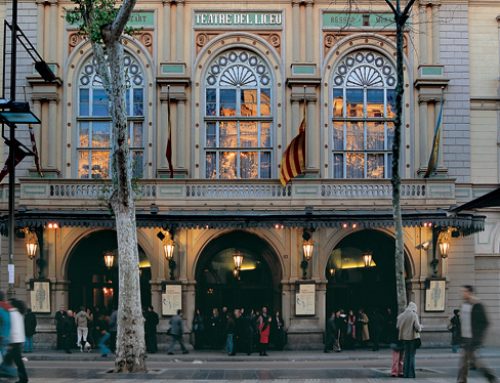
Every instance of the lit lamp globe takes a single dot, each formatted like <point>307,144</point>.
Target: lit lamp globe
<point>31,248</point>
<point>168,249</point>
<point>109,259</point>
<point>444,248</point>
<point>308,248</point>
<point>367,258</point>
<point>237,259</point>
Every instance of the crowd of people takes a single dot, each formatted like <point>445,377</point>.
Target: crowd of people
<point>239,330</point>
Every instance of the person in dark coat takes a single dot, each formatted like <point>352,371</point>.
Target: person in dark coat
<point>151,320</point>
<point>456,332</point>
<point>29,330</point>
<point>244,332</point>
<point>278,335</point>
<point>198,326</point>
<point>176,331</point>
<point>59,320</point>
<point>474,323</point>
<point>330,333</point>
<point>214,329</point>
<point>68,331</point>
<point>376,328</point>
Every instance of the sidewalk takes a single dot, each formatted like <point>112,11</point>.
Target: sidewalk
<point>220,356</point>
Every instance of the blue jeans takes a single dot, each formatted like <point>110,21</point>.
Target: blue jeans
<point>102,344</point>
<point>28,344</point>
<point>230,343</point>
<point>409,358</point>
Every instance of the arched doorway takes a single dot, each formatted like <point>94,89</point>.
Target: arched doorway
<point>91,283</point>
<point>361,273</point>
<point>257,284</point>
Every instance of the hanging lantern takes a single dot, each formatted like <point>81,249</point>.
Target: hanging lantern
<point>367,258</point>
<point>109,259</point>
<point>31,245</point>
<point>238,259</point>
<point>168,248</point>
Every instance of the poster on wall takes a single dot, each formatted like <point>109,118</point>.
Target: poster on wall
<point>40,297</point>
<point>171,300</point>
<point>305,299</point>
<point>435,295</point>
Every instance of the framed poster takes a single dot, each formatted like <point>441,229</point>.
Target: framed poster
<point>40,297</point>
<point>305,299</point>
<point>171,300</point>
<point>435,295</point>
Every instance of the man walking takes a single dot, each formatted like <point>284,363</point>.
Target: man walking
<point>473,322</point>
<point>82,330</point>
<point>176,332</point>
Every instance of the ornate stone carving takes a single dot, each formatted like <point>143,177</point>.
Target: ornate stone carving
<point>203,37</point>
<point>74,39</point>
<point>331,38</point>
<point>275,40</point>
<point>146,38</point>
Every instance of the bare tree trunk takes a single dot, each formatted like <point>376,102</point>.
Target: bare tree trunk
<point>400,18</point>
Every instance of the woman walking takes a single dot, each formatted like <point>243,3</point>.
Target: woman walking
<point>409,333</point>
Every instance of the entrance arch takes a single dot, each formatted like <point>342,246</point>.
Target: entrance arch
<point>258,283</point>
<point>91,283</point>
<point>353,283</point>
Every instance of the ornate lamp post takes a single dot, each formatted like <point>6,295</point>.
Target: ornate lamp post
<point>307,251</point>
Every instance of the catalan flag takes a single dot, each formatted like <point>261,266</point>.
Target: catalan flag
<point>433,159</point>
<point>294,157</point>
<point>35,152</point>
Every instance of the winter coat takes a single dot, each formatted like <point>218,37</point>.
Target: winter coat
<point>264,329</point>
<point>16,327</point>
<point>176,325</point>
<point>365,332</point>
<point>408,324</point>
<point>30,324</point>
<point>479,322</point>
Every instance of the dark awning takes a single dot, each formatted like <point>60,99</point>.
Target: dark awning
<point>465,223</point>
<point>491,199</point>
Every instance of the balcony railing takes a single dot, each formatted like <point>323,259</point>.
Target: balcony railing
<point>190,192</point>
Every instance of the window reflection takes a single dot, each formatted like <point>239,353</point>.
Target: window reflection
<point>94,122</point>
<point>238,117</point>
<point>363,111</point>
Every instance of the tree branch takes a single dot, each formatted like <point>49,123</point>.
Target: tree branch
<point>393,9</point>
<point>122,18</point>
<point>407,9</point>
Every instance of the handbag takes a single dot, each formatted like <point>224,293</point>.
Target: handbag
<point>418,343</point>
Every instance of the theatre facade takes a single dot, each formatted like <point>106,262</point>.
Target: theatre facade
<point>234,81</point>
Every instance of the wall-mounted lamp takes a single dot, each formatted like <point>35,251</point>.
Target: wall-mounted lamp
<point>31,242</point>
<point>444,245</point>
<point>367,258</point>
<point>441,240</point>
<point>52,225</point>
<point>238,259</point>
<point>423,246</point>
<point>109,259</point>
<point>308,251</point>
<point>168,250</point>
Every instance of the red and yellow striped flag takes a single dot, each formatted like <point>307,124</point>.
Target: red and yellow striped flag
<point>294,158</point>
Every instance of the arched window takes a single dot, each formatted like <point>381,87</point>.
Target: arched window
<point>238,117</point>
<point>94,121</point>
<point>363,103</point>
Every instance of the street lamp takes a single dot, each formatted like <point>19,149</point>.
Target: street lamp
<point>31,244</point>
<point>444,246</point>
<point>367,258</point>
<point>308,251</point>
<point>238,259</point>
<point>168,250</point>
<point>109,259</point>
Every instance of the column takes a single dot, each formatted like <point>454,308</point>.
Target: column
<point>179,135</point>
<point>309,32</point>
<point>166,39</point>
<point>292,130</point>
<point>179,31</point>
<point>39,27</point>
<point>428,34</point>
<point>423,27</point>
<point>312,137</point>
<point>437,108</point>
<point>52,134</point>
<point>435,35</point>
<point>296,31</point>
<point>52,25</point>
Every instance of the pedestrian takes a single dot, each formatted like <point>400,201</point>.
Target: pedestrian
<point>351,329</point>
<point>409,333</point>
<point>82,329</point>
<point>244,332</point>
<point>113,328</point>
<point>278,334</point>
<point>17,339</point>
<point>454,327</point>
<point>68,331</point>
<point>151,321</point>
<point>29,329</point>
<point>377,323</point>
<point>91,329</point>
<point>198,326</point>
<point>176,331</point>
<point>59,320</point>
<point>397,348</point>
<point>264,326</point>
<point>102,327</point>
<point>230,332</point>
<point>214,329</point>
<point>473,323</point>
<point>330,332</point>
<point>5,322</point>
<point>364,331</point>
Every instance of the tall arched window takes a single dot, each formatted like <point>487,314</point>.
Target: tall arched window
<point>363,102</point>
<point>94,121</point>
<point>238,117</point>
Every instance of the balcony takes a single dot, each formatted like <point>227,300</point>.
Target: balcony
<point>226,194</point>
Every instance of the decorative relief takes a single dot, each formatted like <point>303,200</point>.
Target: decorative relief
<point>74,39</point>
<point>146,38</point>
<point>203,37</point>
<point>332,38</point>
